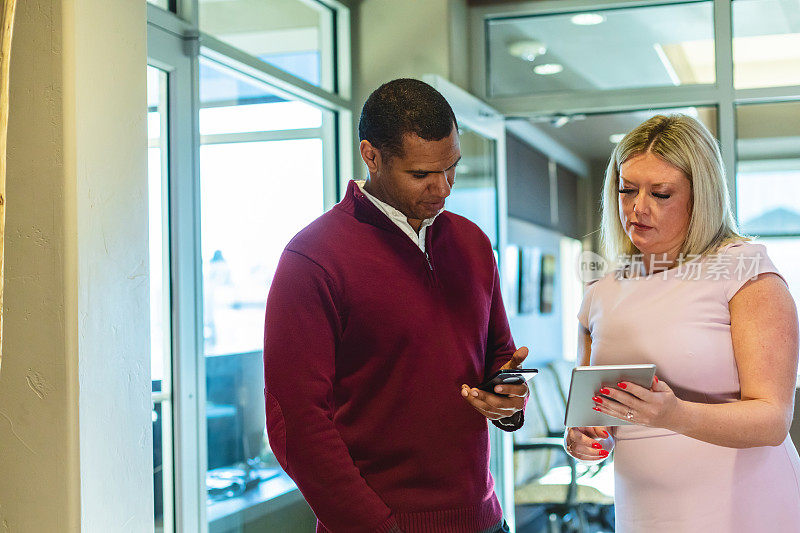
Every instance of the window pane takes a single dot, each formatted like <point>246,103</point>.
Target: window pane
<point>160,335</point>
<point>766,43</point>
<point>261,174</point>
<point>254,200</point>
<point>768,170</point>
<point>163,4</point>
<point>475,192</point>
<point>785,254</point>
<point>230,103</point>
<point>293,35</point>
<point>661,46</point>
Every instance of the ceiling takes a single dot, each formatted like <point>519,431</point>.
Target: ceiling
<point>588,136</point>
<point>764,131</point>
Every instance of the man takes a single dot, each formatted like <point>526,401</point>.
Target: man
<point>383,315</point>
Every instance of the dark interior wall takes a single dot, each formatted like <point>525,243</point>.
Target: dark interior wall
<point>528,182</point>
<point>597,170</point>
<point>530,195</point>
<point>570,216</point>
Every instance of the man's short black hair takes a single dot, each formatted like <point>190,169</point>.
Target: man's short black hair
<point>404,106</point>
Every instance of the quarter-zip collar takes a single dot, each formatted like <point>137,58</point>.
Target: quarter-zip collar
<point>398,218</point>
<point>355,201</point>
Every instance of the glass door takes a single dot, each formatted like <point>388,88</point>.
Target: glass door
<point>174,317</point>
<point>262,179</point>
<point>160,306</point>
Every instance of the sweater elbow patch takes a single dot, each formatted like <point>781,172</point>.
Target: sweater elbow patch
<point>276,430</point>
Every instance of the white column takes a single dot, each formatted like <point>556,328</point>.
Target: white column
<point>75,420</point>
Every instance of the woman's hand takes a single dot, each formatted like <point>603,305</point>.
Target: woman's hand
<point>582,443</point>
<point>656,407</point>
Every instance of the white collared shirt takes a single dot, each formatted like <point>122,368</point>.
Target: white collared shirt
<point>400,219</point>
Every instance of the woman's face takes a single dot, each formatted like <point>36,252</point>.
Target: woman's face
<point>655,203</point>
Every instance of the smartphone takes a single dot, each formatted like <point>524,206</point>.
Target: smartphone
<point>515,376</point>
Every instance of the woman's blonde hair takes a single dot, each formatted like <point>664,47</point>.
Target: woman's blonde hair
<point>685,143</point>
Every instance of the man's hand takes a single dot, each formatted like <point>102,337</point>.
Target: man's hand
<point>494,406</point>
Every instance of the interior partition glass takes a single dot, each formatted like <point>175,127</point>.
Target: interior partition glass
<point>662,45</point>
<point>766,43</point>
<point>592,137</point>
<point>294,35</point>
<point>160,308</point>
<point>768,182</point>
<point>475,192</point>
<point>261,172</point>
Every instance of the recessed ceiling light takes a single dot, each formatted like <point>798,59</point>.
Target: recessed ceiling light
<point>547,69</point>
<point>528,50</point>
<point>616,138</point>
<point>588,19</point>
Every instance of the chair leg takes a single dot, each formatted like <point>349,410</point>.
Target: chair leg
<point>582,522</point>
<point>553,523</point>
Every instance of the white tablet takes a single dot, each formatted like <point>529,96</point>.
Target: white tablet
<point>587,381</point>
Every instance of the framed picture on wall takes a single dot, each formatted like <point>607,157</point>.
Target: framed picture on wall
<point>529,284</point>
<point>548,284</point>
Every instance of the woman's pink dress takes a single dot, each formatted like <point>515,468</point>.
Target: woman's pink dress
<point>680,320</point>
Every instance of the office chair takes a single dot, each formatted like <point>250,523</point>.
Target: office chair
<point>548,480</point>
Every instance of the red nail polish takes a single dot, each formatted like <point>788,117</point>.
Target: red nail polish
<point>656,378</point>
<point>596,446</point>
<point>605,433</point>
<point>596,408</point>
<point>604,391</point>
<point>622,385</point>
<point>598,399</point>
<point>603,453</point>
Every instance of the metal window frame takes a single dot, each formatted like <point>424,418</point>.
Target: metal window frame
<point>175,44</point>
<point>721,94</point>
<point>167,51</point>
<point>165,396</point>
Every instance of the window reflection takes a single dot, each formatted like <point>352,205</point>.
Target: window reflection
<point>768,182</point>
<point>293,35</point>
<point>261,174</point>
<point>766,43</point>
<point>661,46</point>
<point>768,170</point>
<point>475,192</point>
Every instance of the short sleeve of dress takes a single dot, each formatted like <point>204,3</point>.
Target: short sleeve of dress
<point>745,261</point>
<point>586,304</point>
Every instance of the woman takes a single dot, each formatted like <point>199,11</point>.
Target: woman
<point>709,448</point>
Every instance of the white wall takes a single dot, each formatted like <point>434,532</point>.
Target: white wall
<point>38,377</point>
<point>541,333</point>
<point>75,421</point>
<point>409,39</point>
<point>106,169</point>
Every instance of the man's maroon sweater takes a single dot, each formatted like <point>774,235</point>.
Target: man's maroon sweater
<point>367,342</point>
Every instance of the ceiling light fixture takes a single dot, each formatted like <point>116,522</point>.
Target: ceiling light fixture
<point>588,19</point>
<point>547,69</point>
<point>528,50</point>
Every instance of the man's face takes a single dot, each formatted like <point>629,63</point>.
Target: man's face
<point>417,182</point>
